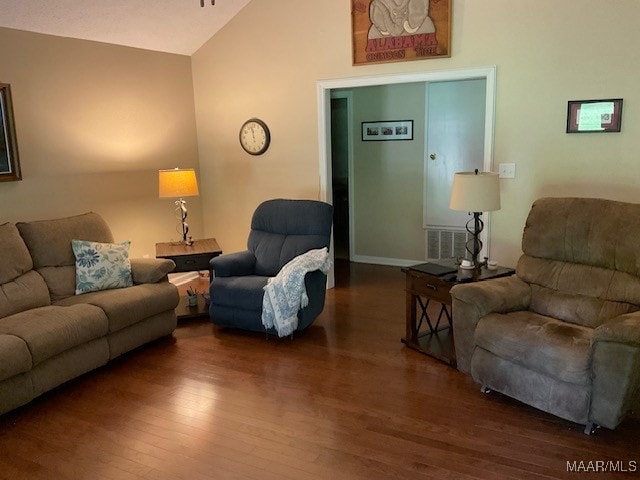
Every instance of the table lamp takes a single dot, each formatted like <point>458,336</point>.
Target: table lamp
<point>178,183</point>
<point>475,193</point>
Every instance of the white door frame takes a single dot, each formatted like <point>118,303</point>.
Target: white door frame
<point>324,87</point>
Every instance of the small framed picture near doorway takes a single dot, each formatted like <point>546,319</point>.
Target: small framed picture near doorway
<point>9,162</point>
<point>387,130</point>
<point>589,116</point>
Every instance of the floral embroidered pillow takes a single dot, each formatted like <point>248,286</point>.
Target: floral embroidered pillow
<point>101,266</point>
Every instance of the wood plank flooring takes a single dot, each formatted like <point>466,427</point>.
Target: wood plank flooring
<point>343,400</point>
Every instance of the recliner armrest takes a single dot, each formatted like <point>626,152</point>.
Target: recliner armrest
<point>472,301</point>
<point>234,264</point>
<point>499,295</point>
<point>615,369</point>
<point>621,329</point>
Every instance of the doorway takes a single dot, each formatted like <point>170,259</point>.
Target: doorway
<point>326,87</point>
<point>341,142</point>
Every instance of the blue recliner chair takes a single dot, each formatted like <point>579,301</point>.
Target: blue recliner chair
<point>280,231</point>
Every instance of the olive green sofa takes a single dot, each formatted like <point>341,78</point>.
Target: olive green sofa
<point>49,335</point>
<point>563,334</point>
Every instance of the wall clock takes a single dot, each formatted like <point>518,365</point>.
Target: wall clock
<point>254,136</point>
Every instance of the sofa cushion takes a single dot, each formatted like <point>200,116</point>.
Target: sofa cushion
<point>14,356</point>
<point>101,266</point>
<point>588,231</point>
<point>25,292</point>
<point>51,330</point>
<point>543,344</point>
<point>20,287</point>
<point>613,285</point>
<point>14,255</point>
<point>581,294</point>
<point>59,280</point>
<point>49,242</point>
<point>245,292</point>
<point>127,306</point>
<point>579,309</point>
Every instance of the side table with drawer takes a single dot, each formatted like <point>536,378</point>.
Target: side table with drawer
<point>190,258</point>
<point>432,282</point>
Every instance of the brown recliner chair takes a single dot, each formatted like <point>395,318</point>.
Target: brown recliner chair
<point>563,334</point>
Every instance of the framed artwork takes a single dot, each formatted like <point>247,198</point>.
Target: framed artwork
<point>588,116</point>
<point>385,31</point>
<point>388,130</point>
<point>9,162</point>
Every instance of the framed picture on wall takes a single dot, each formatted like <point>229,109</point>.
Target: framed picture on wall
<point>384,31</point>
<point>9,162</point>
<point>589,116</point>
<point>387,130</point>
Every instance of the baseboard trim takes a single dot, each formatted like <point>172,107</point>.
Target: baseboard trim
<point>393,262</point>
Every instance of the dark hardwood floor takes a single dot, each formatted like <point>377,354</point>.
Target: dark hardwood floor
<point>343,400</point>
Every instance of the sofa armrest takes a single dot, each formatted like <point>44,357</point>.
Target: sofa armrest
<point>234,264</point>
<point>150,270</point>
<point>615,370</point>
<point>472,301</point>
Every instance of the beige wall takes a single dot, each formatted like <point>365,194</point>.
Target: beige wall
<point>266,63</point>
<point>94,124</point>
<point>388,176</point>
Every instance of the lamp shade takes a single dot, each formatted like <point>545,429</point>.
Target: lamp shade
<point>475,192</point>
<point>177,183</point>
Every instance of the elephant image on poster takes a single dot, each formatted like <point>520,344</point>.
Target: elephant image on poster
<point>394,18</point>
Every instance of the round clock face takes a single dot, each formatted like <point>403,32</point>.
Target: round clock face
<point>255,136</point>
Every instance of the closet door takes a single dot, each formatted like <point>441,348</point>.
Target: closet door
<point>455,112</point>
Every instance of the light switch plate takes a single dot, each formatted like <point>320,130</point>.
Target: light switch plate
<point>507,170</point>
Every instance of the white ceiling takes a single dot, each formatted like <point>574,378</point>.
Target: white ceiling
<point>175,26</point>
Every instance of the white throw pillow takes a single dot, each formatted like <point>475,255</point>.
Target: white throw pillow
<point>101,266</point>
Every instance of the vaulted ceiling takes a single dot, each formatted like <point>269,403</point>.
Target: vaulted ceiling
<point>174,26</point>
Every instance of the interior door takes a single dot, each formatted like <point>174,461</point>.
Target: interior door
<point>454,143</point>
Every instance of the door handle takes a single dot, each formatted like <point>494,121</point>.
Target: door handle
<point>433,156</point>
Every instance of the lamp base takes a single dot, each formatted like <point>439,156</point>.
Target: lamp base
<point>181,214</point>
<point>474,244</point>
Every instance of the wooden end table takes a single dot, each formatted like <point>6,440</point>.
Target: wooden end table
<point>432,282</point>
<point>190,258</point>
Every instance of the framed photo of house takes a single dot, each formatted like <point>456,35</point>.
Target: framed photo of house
<point>387,130</point>
<point>384,31</point>
<point>9,161</point>
<point>589,116</point>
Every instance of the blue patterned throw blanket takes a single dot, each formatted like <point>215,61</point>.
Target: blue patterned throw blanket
<point>285,293</point>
